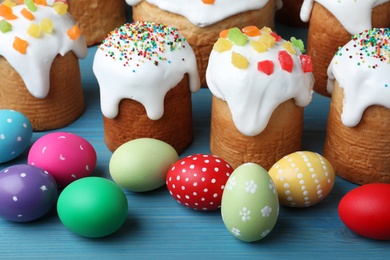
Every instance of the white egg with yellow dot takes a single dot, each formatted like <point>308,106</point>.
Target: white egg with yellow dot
<point>302,179</point>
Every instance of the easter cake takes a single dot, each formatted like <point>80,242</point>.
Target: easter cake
<point>146,73</point>
<point>200,21</point>
<point>39,63</point>
<point>358,142</point>
<point>260,84</point>
<point>332,23</point>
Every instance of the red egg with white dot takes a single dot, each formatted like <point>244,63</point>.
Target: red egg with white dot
<point>65,156</point>
<point>197,181</point>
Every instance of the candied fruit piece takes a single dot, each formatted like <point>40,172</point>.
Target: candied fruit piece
<point>74,32</point>
<point>237,37</point>
<point>8,3</point>
<point>286,61</point>
<point>289,47</point>
<point>40,2</point>
<point>224,33</point>
<point>208,2</point>
<point>298,43</point>
<point>307,65</point>
<point>267,40</point>
<point>5,26</point>
<point>276,36</point>
<point>34,30</point>
<point>46,25</point>
<point>6,12</point>
<point>266,29</point>
<point>266,66</point>
<point>258,46</point>
<point>30,5</point>
<point>27,14</point>
<point>222,45</point>
<point>251,31</point>
<point>60,7</point>
<point>239,61</point>
<point>20,45</point>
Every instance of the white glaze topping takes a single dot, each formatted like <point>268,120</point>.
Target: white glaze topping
<point>143,61</point>
<point>362,69</point>
<point>34,66</point>
<point>354,15</point>
<point>202,14</point>
<point>251,94</point>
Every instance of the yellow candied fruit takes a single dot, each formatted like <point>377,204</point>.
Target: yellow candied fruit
<point>46,25</point>
<point>60,7</point>
<point>34,30</point>
<point>8,3</point>
<point>266,29</point>
<point>258,46</point>
<point>289,47</point>
<point>222,45</point>
<point>268,40</point>
<point>239,61</point>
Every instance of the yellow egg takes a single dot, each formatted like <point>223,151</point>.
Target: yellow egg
<point>302,179</point>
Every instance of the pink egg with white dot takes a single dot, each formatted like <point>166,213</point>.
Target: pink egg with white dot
<point>26,193</point>
<point>66,156</point>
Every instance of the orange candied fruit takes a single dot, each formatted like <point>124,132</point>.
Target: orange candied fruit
<point>74,32</point>
<point>40,2</point>
<point>27,14</point>
<point>251,31</point>
<point>6,12</point>
<point>20,45</point>
<point>224,33</point>
<point>208,2</point>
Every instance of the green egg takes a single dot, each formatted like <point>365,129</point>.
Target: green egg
<point>142,164</point>
<point>92,207</point>
<point>250,205</point>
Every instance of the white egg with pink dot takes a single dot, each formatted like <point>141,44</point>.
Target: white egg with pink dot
<point>65,156</point>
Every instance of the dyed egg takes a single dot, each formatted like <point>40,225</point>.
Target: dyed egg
<point>15,134</point>
<point>197,181</point>
<point>302,179</point>
<point>26,193</point>
<point>366,210</point>
<point>142,164</point>
<point>250,205</point>
<point>66,156</point>
<point>92,207</point>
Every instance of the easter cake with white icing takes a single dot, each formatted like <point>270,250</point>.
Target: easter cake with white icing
<point>331,25</point>
<point>146,73</point>
<point>200,21</point>
<point>260,84</point>
<point>39,63</point>
<point>358,140</point>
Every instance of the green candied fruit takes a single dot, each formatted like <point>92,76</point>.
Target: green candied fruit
<point>30,5</point>
<point>237,37</point>
<point>298,43</point>
<point>5,26</point>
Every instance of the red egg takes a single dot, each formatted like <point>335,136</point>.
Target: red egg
<point>197,181</point>
<point>366,210</point>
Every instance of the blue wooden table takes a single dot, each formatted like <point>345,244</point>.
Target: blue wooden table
<point>158,227</point>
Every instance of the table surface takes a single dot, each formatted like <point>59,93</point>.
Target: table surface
<point>158,227</point>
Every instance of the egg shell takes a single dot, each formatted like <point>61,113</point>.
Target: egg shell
<point>142,164</point>
<point>302,179</point>
<point>366,210</point>
<point>197,181</point>
<point>66,156</point>
<point>250,205</point>
<point>26,193</point>
<point>92,207</point>
<point>15,134</point>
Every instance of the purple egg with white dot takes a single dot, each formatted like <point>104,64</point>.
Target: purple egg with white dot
<point>26,193</point>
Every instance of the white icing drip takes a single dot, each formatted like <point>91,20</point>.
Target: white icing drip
<point>354,15</point>
<point>363,86</point>
<point>252,96</point>
<point>34,66</point>
<point>202,14</point>
<point>148,84</point>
